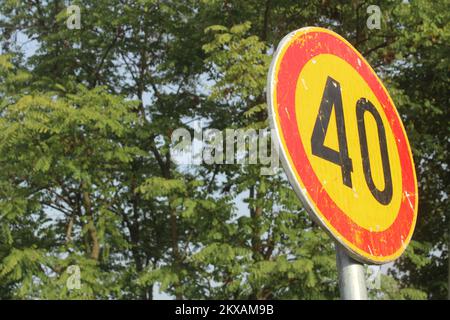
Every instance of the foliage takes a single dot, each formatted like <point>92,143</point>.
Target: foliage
<point>87,179</point>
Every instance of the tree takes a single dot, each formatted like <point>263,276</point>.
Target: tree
<point>87,178</point>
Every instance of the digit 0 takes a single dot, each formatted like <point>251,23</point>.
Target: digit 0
<point>383,196</point>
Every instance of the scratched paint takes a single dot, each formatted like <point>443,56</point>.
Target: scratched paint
<point>373,231</point>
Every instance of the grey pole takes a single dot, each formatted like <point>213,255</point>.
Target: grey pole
<point>352,282</point>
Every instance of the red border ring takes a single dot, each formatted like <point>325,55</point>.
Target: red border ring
<point>294,51</point>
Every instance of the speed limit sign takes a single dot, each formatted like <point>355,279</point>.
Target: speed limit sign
<point>343,145</point>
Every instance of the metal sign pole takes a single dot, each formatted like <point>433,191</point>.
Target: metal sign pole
<point>352,284</point>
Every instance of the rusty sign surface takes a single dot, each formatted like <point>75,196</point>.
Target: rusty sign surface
<point>343,144</point>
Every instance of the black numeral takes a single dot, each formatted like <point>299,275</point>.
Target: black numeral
<point>383,196</point>
<point>332,97</point>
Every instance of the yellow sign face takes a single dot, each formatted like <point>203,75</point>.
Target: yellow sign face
<point>343,145</point>
<point>358,199</point>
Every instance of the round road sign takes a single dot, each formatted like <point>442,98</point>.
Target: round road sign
<point>342,143</point>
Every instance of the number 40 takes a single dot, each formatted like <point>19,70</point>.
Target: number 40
<point>332,97</point>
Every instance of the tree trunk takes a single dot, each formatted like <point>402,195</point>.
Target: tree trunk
<point>92,230</point>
